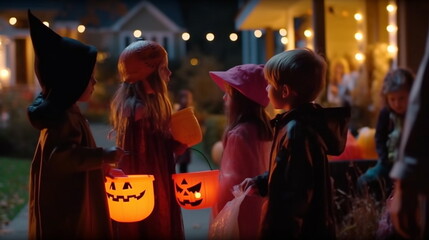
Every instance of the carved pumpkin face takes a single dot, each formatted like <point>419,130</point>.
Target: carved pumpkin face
<point>130,198</point>
<point>196,190</point>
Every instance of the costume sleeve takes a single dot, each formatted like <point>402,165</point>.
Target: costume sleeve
<point>65,151</point>
<point>292,181</point>
<point>241,159</point>
<point>382,135</point>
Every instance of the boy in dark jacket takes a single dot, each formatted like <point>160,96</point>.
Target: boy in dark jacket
<point>298,184</point>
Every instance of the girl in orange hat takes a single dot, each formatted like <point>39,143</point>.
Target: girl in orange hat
<point>140,115</point>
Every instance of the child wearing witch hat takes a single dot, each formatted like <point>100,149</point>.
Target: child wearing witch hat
<point>67,194</point>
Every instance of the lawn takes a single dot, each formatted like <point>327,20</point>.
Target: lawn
<point>14,173</point>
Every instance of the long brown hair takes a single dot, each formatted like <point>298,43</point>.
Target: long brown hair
<point>241,110</point>
<point>142,89</point>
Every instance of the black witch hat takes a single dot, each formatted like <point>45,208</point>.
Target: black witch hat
<point>63,66</point>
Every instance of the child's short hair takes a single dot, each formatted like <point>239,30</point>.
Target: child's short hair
<point>302,70</point>
<point>398,79</point>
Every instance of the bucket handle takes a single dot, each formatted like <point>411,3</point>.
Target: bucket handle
<point>202,154</point>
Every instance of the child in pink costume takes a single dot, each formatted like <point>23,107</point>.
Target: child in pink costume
<point>140,114</point>
<point>247,139</point>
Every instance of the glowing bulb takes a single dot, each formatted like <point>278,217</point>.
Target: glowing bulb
<point>358,16</point>
<point>358,36</point>
<point>81,28</point>
<point>4,74</point>
<point>359,57</point>
<point>392,49</point>
<point>391,28</point>
<point>137,33</point>
<point>186,36</point>
<point>46,23</point>
<point>210,37</point>
<point>194,61</point>
<point>308,33</point>
<point>391,8</point>
<point>233,37</point>
<point>257,33</point>
<point>283,32</point>
<point>284,40</point>
<point>13,20</point>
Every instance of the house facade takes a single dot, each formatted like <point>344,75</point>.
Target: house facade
<point>109,28</point>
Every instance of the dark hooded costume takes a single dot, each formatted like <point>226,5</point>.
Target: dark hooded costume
<point>298,183</point>
<point>67,194</point>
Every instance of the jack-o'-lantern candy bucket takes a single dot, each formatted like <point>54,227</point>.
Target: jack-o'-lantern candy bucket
<point>196,190</point>
<point>130,197</point>
<point>185,127</point>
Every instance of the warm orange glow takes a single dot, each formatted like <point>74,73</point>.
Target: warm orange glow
<point>366,142</point>
<point>185,127</point>
<point>196,190</point>
<point>194,61</point>
<point>130,198</point>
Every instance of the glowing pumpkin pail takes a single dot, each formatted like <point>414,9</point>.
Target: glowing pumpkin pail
<point>196,190</point>
<point>130,197</point>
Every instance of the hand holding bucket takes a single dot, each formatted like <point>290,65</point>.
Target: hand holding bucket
<point>185,127</point>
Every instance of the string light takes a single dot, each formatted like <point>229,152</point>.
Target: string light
<point>137,33</point>
<point>284,40</point>
<point>13,21</point>
<point>46,23</point>
<point>194,61</point>
<point>210,37</point>
<point>358,17</point>
<point>233,37</point>
<point>359,57</point>
<point>391,8</point>
<point>358,36</point>
<point>257,33</point>
<point>283,32</point>
<point>391,28</point>
<point>308,33</point>
<point>81,28</point>
<point>186,36</point>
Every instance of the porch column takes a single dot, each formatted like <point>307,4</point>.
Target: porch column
<point>319,27</point>
<point>269,43</point>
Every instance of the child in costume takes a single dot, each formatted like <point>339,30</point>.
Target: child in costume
<point>298,184</point>
<point>67,193</point>
<point>247,139</point>
<point>141,114</point>
<point>396,89</point>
